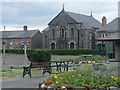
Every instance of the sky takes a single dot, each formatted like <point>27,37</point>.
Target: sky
<point>36,14</point>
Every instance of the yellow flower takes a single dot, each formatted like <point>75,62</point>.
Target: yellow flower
<point>73,70</point>
<point>112,77</point>
<point>57,82</point>
<point>55,76</point>
<point>69,70</point>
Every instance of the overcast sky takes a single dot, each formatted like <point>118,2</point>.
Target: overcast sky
<point>37,14</point>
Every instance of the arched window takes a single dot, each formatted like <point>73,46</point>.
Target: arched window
<point>53,33</point>
<point>72,33</point>
<point>65,35</point>
<point>60,34</point>
<point>45,41</point>
<point>90,36</point>
<point>62,31</point>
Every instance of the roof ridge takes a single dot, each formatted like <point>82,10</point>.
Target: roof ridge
<point>20,30</point>
<point>83,15</point>
<point>78,14</point>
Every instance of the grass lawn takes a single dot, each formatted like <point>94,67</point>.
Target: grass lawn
<point>16,72</point>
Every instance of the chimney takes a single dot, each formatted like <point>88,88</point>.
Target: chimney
<point>104,21</point>
<point>25,28</point>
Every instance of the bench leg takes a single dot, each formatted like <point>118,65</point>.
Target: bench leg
<point>23,74</point>
<point>30,73</point>
<point>46,70</point>
<point>26,70</point>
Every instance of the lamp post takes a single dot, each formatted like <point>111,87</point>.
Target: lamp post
<point>4,46</point>
<point>25,52</point>
<point>25,55</point>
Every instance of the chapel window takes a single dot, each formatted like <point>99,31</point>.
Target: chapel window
<point>72,33</point>
<point>53,33</point>
<point>62,31</point>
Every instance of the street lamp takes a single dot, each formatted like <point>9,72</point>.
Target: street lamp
<point>4,46</point>
<point>25,52</point>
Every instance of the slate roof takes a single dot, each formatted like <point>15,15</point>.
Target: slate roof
<point>18,34</point>
<point>112,37</point>
<point>46,29</point>
<point>90,20</point>
<point>113,26</point>
<point>79,18</point>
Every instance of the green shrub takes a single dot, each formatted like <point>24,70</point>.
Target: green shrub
<point>14,51</point>
<point>71,51</point>
<point>39,56</point>
<point>56,52</point>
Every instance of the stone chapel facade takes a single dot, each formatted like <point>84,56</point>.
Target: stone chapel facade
<point>70,30</point>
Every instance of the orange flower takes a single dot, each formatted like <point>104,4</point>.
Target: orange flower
<point>85,85</point>
<point>48,81</point>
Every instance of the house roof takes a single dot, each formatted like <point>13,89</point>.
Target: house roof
<point>78,18</point>
<point>18,34</point>
<point>112,37</point>
<point>113,26</point>
<point>46,29</point>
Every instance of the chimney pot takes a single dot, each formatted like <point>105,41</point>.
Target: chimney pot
<point>104,21</point>
<point>25,28</point>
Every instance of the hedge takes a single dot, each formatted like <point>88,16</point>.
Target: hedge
<point>57,52</point>
<point>39,56</point>
<point>16,51</point>
<point>71,51</point>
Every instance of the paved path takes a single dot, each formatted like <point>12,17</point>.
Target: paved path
<point>14,59</point>
<point>26,82</point>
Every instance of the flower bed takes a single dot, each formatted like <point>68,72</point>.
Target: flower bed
<point>93,58</point>
<point>85,77</point>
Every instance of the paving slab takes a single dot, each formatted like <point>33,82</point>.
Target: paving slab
<point>26,82</point>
